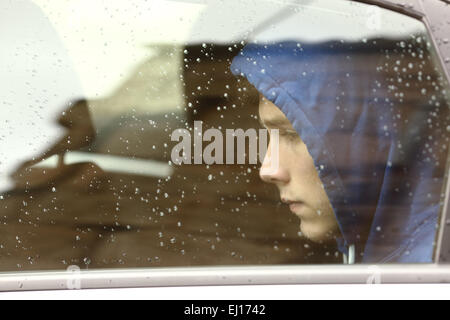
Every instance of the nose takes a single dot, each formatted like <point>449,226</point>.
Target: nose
<point>271,173</point>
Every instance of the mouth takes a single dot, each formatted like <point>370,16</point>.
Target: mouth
<point>294,206</point>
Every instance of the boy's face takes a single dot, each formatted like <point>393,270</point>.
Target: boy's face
<point>297,178</point>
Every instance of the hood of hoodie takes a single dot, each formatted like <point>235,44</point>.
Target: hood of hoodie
<point>374,117</point>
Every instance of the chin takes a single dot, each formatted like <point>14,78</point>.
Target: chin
<point>315,232</point>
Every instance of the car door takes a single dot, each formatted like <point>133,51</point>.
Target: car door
<point>133,140</point>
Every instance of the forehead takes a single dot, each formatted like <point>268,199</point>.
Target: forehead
<point>271,116</point>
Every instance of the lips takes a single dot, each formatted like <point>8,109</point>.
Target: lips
<point>293,205</point>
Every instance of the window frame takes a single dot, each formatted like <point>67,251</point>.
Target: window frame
<point>433,14</point>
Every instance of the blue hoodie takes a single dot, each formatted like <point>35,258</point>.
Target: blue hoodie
<point>374,117</point>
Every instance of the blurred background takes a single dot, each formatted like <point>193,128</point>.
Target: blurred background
<point>93,91</point>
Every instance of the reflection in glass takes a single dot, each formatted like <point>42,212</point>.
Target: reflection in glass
<point>362,111</point>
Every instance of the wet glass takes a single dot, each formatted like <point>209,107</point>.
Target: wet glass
<point>118,120</point>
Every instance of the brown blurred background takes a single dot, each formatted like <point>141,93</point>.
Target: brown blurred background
<point>64,212</point>
<point>80,214</point>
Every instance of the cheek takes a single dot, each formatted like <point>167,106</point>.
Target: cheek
<point>296,159</point>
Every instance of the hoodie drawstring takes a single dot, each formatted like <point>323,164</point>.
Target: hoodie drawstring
<point>350,258</point>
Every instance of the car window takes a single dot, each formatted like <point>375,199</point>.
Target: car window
<point>209,133</point>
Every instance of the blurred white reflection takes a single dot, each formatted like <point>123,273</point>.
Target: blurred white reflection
<point>112,164</point>
<point>305,20</point>
<point>108,39</point>
<point>37,81</point>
